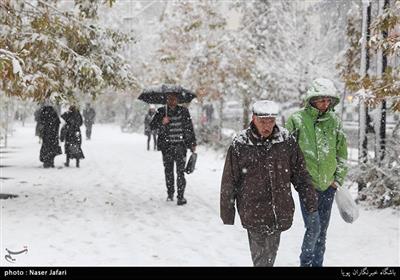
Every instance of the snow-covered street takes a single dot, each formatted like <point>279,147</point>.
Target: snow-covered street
<point>112,211</point>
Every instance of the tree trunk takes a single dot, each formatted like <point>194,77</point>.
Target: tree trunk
<point>221,107</point>
<point>246,107</point>
<point>363,111</point>
<point>380,128</point>
<point>343,100</point>
<point>6,124</point>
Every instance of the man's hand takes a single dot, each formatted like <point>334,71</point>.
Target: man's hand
<point>165,120</point>
<point>334,185</point>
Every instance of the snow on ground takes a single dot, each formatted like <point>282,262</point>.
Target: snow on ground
<point>113,212</point>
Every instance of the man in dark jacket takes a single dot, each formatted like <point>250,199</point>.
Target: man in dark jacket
<point>261,163</point>
<point>147,130</point>
<point>89,115</point>
<point>175,136</point>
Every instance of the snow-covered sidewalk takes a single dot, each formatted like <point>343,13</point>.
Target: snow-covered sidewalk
<point>113,211</point>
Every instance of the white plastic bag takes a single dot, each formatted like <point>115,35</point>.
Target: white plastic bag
<point>347,207</point>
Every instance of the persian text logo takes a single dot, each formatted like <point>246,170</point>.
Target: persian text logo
<point>9,257</point>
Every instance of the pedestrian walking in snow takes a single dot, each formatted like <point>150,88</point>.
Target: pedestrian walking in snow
<point>38,127</point>
<point>50,125</point>
<point>319,133</point>
<point>208,109</point>
<point>260,164</point>
<point>175,135</point>
<point>147,130</point>
<point>89,115</point>
<point>71,134</point>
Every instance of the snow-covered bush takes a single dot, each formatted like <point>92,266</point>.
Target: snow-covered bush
<point>382,179</point>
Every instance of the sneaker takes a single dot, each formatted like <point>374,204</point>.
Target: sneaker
<point>181,201</point>
<point>170,198</point>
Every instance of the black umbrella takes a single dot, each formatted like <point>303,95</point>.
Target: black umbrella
<point>158,94</point>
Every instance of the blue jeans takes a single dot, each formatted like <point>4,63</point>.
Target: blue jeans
<point>313,247</point>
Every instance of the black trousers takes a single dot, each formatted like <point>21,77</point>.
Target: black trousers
<point>154,134</point>
<point>88,130</point>
<point>263,247</point>
<point>175,154</point>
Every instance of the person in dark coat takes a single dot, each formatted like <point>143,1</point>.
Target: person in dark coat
<point>209,111</point>
<point>50,125</point>
<point>175,136</point>
<point>89,115</point>
<point>38,128</point>
<point>147,130</point>
<point>71,134</point>
<point>261,163</point>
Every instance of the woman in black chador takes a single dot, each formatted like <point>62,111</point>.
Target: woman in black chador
<point>50,125</point>
<point>71,134</point>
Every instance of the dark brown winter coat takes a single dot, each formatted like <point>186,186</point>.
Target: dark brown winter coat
<point>257,175</point>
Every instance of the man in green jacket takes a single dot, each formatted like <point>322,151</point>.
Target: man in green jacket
<point>319,133</point>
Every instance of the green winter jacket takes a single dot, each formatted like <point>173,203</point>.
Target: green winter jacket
<point>321,140</point>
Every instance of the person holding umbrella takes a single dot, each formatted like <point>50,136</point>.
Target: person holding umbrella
<point>175,135</point>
